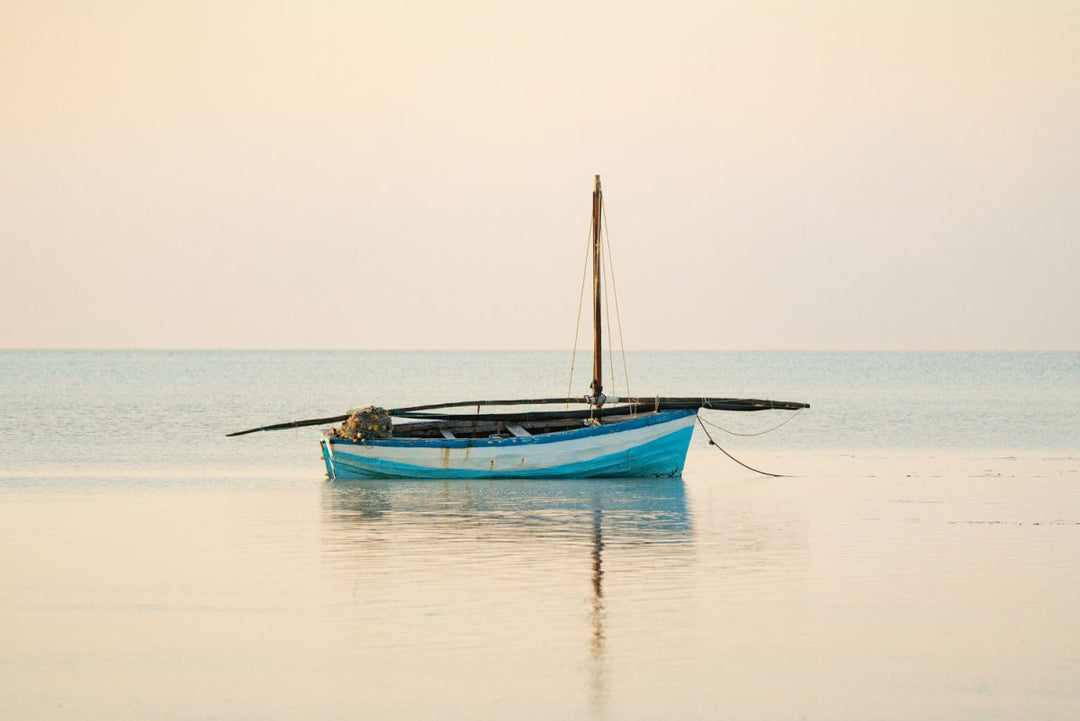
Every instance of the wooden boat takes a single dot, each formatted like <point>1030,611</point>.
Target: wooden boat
<point>593,436</point>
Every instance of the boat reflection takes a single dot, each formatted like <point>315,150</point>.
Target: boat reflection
<point>371,523</point>
<point>634,510</point>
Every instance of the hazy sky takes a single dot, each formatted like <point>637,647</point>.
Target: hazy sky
<point>838,175</point>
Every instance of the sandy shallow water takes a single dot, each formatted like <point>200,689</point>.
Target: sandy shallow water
<point>867,586</point>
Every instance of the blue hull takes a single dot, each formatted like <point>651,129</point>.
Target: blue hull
<point>658,457</point>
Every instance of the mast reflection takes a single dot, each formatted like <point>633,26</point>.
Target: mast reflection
<point>637,524</point>
<point>597,661</point>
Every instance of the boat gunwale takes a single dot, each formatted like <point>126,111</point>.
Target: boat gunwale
<point>640,421</point>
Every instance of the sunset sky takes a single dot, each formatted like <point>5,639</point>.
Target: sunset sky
<point>778,175</point>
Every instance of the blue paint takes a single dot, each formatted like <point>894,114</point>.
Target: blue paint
<point>325,447</point>
<point>662,457</point>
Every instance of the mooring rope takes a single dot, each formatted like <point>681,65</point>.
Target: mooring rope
<point>759,433</point>
<point>755,470</point>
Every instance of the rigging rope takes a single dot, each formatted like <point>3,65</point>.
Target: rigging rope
<point>618,316</point>
<point>759,433</point>
<point>577,326</point>
<point>605,264</point>
<point>755,470</point>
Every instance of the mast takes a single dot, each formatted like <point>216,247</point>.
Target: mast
<point>597,212</point>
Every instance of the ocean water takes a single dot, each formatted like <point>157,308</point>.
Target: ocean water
<point>920,558</point>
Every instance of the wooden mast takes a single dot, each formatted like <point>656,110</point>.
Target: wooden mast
<point>597,212</point>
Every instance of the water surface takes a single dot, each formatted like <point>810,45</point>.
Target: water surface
<point>921,561</point>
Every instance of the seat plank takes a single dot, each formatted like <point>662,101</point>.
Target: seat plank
<point>517,430</point>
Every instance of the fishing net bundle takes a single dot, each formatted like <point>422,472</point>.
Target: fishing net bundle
<point>366,422</point>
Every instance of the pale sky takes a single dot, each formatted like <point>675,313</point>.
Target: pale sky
<point>778,175</point>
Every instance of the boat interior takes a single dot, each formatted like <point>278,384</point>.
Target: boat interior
<point>481,428</point>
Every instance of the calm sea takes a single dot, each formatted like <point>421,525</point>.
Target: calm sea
<point>921,559</point>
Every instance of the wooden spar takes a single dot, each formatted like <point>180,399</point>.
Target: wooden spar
<point>597,213</point>
<point>405,412</point>
<point>626,406</point>
<point>291,424</point>
<point>647,405</point>
<point>464,404</point>
<point>643,404</point>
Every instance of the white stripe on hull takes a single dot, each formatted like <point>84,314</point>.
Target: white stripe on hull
<point>512,455</point>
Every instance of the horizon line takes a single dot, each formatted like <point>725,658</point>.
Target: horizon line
<point>203,349</point>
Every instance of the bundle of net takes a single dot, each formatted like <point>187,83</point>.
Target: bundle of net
<point>364,423</point>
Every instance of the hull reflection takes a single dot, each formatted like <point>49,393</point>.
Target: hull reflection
<point>535,542</point>
<point>633,510</point>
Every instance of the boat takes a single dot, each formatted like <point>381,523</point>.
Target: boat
<point>590,436</point>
